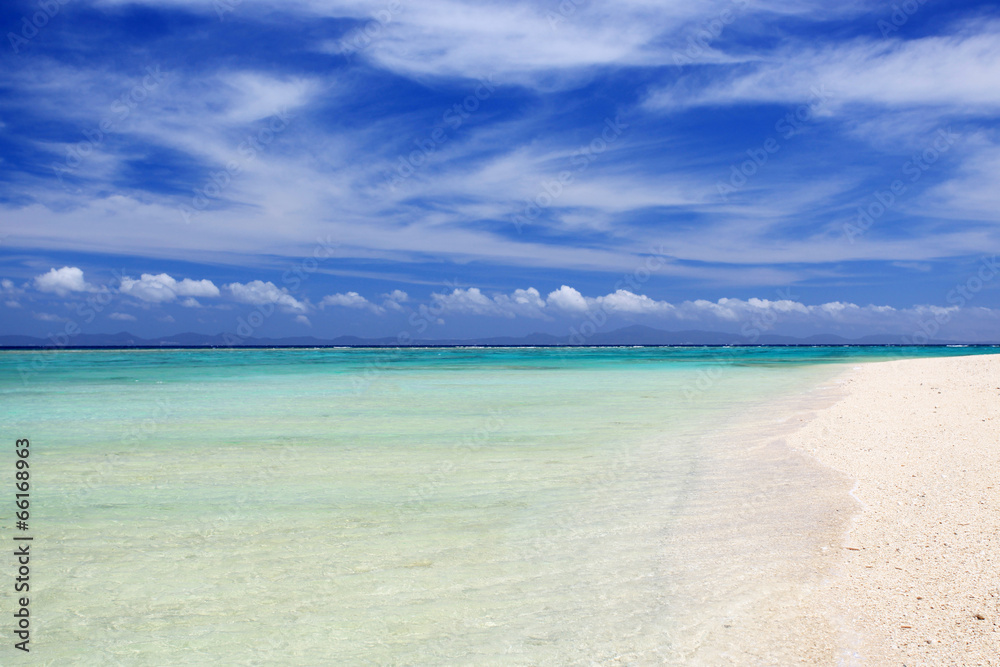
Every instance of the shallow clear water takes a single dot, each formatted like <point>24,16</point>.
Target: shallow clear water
<point>410,507</point>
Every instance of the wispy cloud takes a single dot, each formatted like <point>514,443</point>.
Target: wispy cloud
<point>959,72</point>
<point>422,149</point>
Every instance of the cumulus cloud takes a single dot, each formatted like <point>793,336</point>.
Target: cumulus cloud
<point>394,298</point>
<point>163,288</point>
<point>10,290</point>
<point>470,300</point>
<point>397,295</point>
<point>188,287</point>
<point>624,301</point>
<point>348,300</point>
<point>524,303</point>
<point>751,317</point>
<point>567,298</point>
<point>302,319</point>
<point>122,317</point>
<point>258,292</point>
<point>351,300</point>
<point>390,301</point>
<point>755,309</point>
<point>530,303</point>
<point>63,281</point>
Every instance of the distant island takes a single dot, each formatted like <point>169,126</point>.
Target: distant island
<point>632,335</point>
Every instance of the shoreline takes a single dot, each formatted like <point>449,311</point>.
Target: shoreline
<point>917,581</point>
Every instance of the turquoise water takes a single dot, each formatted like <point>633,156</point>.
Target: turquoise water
<point>413,506</point>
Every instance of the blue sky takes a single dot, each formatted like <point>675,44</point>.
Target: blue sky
<point>454,169</point>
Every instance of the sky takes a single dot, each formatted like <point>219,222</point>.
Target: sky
<point>451,169</point>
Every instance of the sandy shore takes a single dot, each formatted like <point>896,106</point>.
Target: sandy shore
<point>919,579</point>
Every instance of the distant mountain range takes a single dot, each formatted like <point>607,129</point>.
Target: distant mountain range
<point>633,335</point>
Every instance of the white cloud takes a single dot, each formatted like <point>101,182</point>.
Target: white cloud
<point>470,300</point>
<point>568,299</point>
<point>751,316</point>
<point>519,43</point>
<point>393,300</point>
<point>9,289</point>
<point>122,317</point>
<point>397,295</point>
<point>188,287</point>
<point>350,300</point>
<point>47,317</point>
<point>258,293</point>
<point>154,289</point>
<point>546,45</point>
<point>624,301</point>
<point>972,193</point>
<point>163,288</point>
<point>390,301</point>
<point>523,303</point>
<point>63,281</point>
<point>960,71</point>
<point>302,319</point>
<point>528,297</point>
<point>257,96</point>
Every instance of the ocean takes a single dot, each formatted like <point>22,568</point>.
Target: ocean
<point>460,506</point>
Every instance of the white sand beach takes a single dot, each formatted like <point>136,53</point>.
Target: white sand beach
<point>919,578</point>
